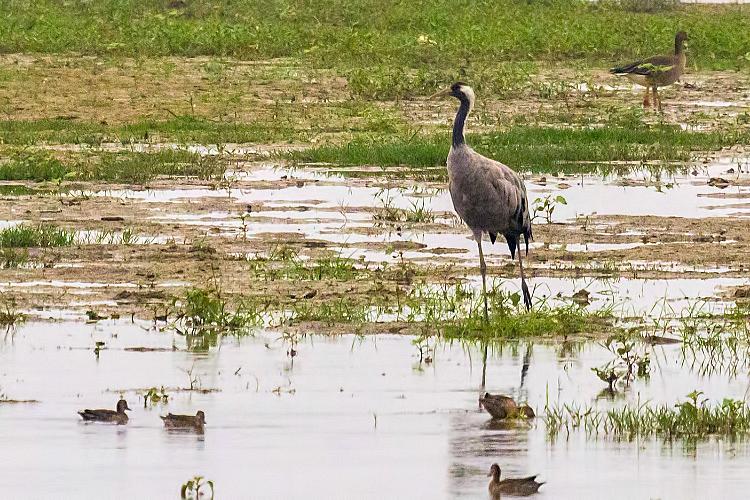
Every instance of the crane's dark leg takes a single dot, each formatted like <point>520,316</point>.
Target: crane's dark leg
<point>524,287</point>
<point>483,270</point>
<point>646,102</point>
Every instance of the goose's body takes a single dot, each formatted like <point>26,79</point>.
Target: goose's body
<point>657,71</point>
<point>117,416</point>
<point>517,487</point>
<point>196,422</point>
<point>488,196</point>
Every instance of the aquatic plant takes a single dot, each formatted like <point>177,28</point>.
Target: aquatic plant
<point>629,362</point>
<point>155,396</point>
<point>191,489</point>
<point>9,315</point>
<point>203,315</point>
<point>546,205</point>
<point>691,418</point>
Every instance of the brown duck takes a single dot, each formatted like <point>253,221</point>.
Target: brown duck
<point>118,416</point>
<point>657,71</point>
<point>517,487</point>
<point>500,406</point>
<point>196,422</point>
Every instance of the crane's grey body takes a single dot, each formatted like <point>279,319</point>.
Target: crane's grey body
<point>488,196</point>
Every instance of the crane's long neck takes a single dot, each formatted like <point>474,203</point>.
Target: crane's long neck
<point>678,47</point>
<point>458,123</point>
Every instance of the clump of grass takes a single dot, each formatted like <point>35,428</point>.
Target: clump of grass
<point>283,263</point>
<point>206,308</point>
<point>457,312</point>
<point>32,166</point>
<point>333,312</point>
<point>43,235</point>
<point>9,315</point>
<point>204,315</point>
<point>692,418</point>
<point>12,257</point>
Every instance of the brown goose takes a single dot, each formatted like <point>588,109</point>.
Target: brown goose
<point>118,416</point>
<point>657,71</point>
<point>500,406</point>
<point>196,422</point>
<point>518,487</point>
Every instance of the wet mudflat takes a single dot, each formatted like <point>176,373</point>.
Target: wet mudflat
<point>324,314</point>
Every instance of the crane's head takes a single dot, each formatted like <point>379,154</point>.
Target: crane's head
<point>460,91</point>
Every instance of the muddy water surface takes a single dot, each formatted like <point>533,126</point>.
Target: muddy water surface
<point>362,407</point>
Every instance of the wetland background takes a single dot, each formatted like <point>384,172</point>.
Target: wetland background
<point>240,207</point>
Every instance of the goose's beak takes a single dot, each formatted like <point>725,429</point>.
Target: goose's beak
<point>128,408</point>
<point>440,93</point>
<point>489,474</point>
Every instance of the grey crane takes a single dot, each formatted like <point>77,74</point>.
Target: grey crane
<point>488,196</point>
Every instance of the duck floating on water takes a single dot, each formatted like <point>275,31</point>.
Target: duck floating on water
<point>500,406</point>
<point>518,487</point>
<point>117,416</point>
<point>196,422</point>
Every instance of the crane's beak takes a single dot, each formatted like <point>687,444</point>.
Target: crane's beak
<point>440,93</point>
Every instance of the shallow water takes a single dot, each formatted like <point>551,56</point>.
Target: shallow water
<point>361,410</point>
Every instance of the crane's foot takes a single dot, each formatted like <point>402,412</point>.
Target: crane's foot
<point>526,295</point>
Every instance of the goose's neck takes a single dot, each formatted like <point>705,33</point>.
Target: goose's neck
<point>678,47</point>
<point>459,122</point>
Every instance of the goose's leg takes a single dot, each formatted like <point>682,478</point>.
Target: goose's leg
<point>483,270</point>
<point>524,287</point>
<point>657,100</point>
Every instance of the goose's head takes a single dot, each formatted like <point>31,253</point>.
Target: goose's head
<point>679,40</point>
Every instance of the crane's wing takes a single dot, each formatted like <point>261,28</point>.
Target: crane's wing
<point>489,196</point>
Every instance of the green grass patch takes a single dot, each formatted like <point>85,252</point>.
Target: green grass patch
<point>43,235</point>
<point>125,167</point>
<point>179,129</point>
<point>533,148</point>
<point>284,263</point>
<point>358,33</point>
